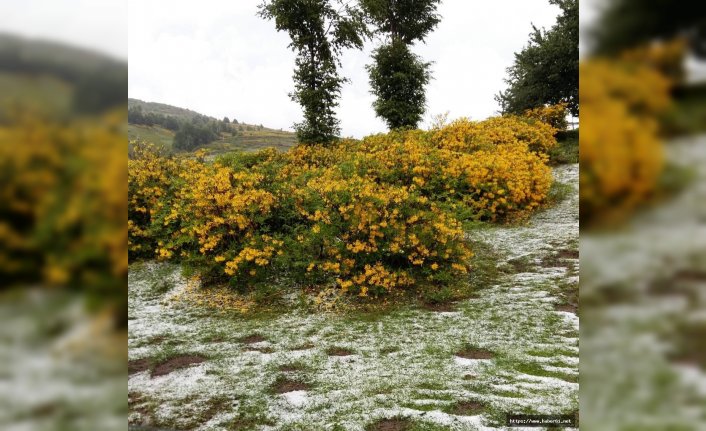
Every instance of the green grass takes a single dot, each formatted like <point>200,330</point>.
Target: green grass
<point>558,192</point>
<point>688,114</point>
<point>249,140</point>
<point>567,149</point>
<point>42,93</point>
<point>152,134</point>
<point>406,360</point>
<point>253,140</point>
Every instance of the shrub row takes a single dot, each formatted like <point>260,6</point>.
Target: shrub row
<point>622,104</point>
<point>371,216</point>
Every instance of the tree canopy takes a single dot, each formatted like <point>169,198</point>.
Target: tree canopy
<point>546,71</point>
<point>404,20</point>
<point>398,76</point>
<point>629,23</point>
<point>319,31</point>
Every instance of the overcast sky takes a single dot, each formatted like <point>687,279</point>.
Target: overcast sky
<point>97,25</point>
<point>218,58</point>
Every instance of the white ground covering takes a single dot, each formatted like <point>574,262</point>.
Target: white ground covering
<point>52,374</point>
<point>628,380</point>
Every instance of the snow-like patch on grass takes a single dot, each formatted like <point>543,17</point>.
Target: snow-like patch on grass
<point>630,380</point>
<point>295,398</point>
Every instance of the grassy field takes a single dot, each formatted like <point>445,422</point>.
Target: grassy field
<point>253,140</point>
<point>642,289</point>
<point>39,93</point>
<point>154,134</point>
<point>512,348</point>
<point>249,140</point>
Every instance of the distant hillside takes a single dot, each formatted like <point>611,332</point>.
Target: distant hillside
<point>55,78</point>
<point>233,136</point>
<point>164,109</point>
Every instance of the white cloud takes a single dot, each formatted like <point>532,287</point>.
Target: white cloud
<point>217,57</point>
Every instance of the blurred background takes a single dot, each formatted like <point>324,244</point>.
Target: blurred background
<point>63,215</point>
<point>643,215</point>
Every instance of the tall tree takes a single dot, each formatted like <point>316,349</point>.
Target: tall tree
<point>397,75</point>
<point>546,71</point>
<point>319,30</point>
<point>625,24</point>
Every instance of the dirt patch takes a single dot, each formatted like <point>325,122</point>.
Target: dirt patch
<point>252,339</point>
<point>136,404</point>
<point>216,406</point>
<point>570,308</point>
<point>440,307</point>
<point>468,408</point>
<point>690,344</point>
<point>395,424</point>
<point>691,275</point>
<point>568,254</point>
<point>284,385</point>
<point>176,363</point>
<point>338,351</point>
<point>560,259</point>
<point>44,410</point>
<point>137,365</point>
<point>243,424</point>
<point>469,352</point>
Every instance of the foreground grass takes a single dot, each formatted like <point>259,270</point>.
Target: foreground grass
<point>506,350</point>
<point>567,149</point>
<point>688,114</point>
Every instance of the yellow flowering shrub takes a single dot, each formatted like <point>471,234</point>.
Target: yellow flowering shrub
<point>666,57</point>
<point>369,217</point>
<point>554,115</point>
<point>63,206</point>
<point>467,136</point>
<point>497,182</point>
<point>373,238</point>
<point>620,149</point>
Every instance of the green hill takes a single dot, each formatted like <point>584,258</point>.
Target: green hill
<point>57,79</point>
<point>163,109</point>
<point>153,134</point>
<point>239,137</point>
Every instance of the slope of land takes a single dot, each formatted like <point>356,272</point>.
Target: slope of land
<point>513,348</point>
<point>645,336</point>
<point>244,137</point>
<point>55,79</point>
